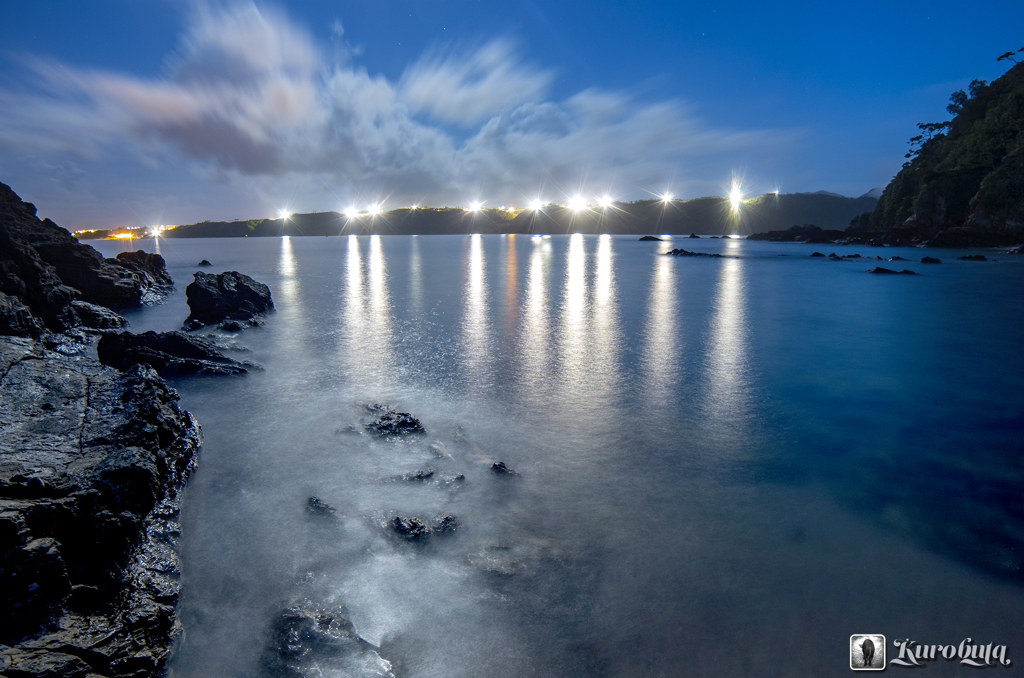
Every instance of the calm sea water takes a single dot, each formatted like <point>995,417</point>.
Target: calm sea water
<point>726,466</point>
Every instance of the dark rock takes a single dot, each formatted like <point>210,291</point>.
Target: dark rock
<point>229,296</point>
<point>319,507</point>
<point>204,262</point>
<point>973,257</point>
<point>151,269</point>
<point>93,464</point>
<point>930,260</point>
<point>445,522</point>
<point>46,269</point>
<point>879,269</point>
<point>419,475</point>
<point>650,238</point>
<point>313,640</point>
<point>17,320</point>
<point>817,254</point>
<point>807,233</point>
<point>851,256</point>
<point>684,253</point>
<point>714,237</point>
<point>98,317</point>
<point>1016,250</point>
<point>169,353</point>
<point>897,259</point>
<point>499,468</point>
<point>391,422</point>
<point>693,235</point>
<point>410,528</point>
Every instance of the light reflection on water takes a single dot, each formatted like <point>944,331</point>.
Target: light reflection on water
<point>635,559</point>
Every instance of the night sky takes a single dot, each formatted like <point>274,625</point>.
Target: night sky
<point>116,113</point>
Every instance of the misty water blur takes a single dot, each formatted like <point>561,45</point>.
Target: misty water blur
<point>717,458</point>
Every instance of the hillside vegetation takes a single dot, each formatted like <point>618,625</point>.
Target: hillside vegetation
<point>964,184</point>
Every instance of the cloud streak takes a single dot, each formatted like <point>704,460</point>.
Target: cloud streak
<point>249,95</point>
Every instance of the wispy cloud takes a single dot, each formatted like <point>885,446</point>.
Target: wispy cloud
<point>252,95</point>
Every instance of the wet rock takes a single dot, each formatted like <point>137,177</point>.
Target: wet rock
<point>169,353</point>
<point>650,238</point>
<point>204,262</point>
<point>389,421</point>
<point>500,469</point>
<point>693,235</point>
<point>851,256</point>
<point>313,640</point>
<point>879,269</point>
<point>685,253</point>
<point>229,296</point>
<point>973,257</point>
<point>445,522</point>
<point>817,254</point>
<point>149,268</point>
<point>93,464</point>
<point>318,507</point>
<point>410,528</point>
<point>99,317</point>
<point>45,269</point>
<point>896,258</point>
<point>930,260</point>
<point>16,319</point>
<point>419,475</point>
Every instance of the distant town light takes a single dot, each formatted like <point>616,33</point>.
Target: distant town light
<point>414,207</point>
<point>475,206</point>
<point>667,197</point>
<point>283,214</point>
<point>735,197</point>
<point>577,203</point>
<point>605,201</point>
<point>351,212</point>
<point>536,205</point>
<point>374,209</point>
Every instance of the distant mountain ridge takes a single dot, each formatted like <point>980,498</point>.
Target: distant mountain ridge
<point>705,216</point>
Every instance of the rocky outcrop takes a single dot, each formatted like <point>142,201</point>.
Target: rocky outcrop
<point>98,317</point>
<point>650,238</point>
<point>45,268</point>
<point>389,421</point>
<point>309,639</point>
<point>879,269</point>
<point>171,354</point>
<point>231,298</point>
<point>92,462</point>
<point>680,252</point>
<point>151,269</point>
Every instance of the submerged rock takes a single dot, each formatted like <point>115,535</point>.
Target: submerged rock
<point>817,254</point>
<point>930,260</point>
<point>879,269</point>
<point>169,353</point>
<point>312,640</point>
<point>318,507</point>
<point>445,522</point>
<point>680,252</point>
<point>392,422</point>
<point>93,464</point>
<point>500,469</point>
<point>230,296</point>
<point>973,257</point>
<point>420,475</point>
<point>410,527</point>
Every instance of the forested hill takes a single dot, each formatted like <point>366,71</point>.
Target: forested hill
<point>705,216</point>
<point>964,184</point>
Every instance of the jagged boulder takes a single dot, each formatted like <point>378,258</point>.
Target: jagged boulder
<point>98,317</point>
<point>229,297</point>
<point>93,461</point>
<point>171,354</point>
<point>309,639</point>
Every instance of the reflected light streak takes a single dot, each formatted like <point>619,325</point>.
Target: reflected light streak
<point>604,379</point>
<point>662,344</point>
<point>368,352</point>
<point>726,358</point>
<point>475,334</point>
<point>289,304</point>
<point>415,276</point>
<point>573,335</point>
<point>535,349</point>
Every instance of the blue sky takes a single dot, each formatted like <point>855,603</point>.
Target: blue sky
<point>117,113</point>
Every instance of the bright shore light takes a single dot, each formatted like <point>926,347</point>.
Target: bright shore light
<point>605,201</point>
<point>351,212</point>
<point>536,205</point>
<point>283,214</point>
<point>736,197</point>
<point>374,209</point>
<point>577,203</point>
<point>414,207</point>
<point>475,206</point>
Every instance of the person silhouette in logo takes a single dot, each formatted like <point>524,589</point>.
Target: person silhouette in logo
<point>867,648</point>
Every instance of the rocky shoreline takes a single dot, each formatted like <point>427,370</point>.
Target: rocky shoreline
<point>92,461</point>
